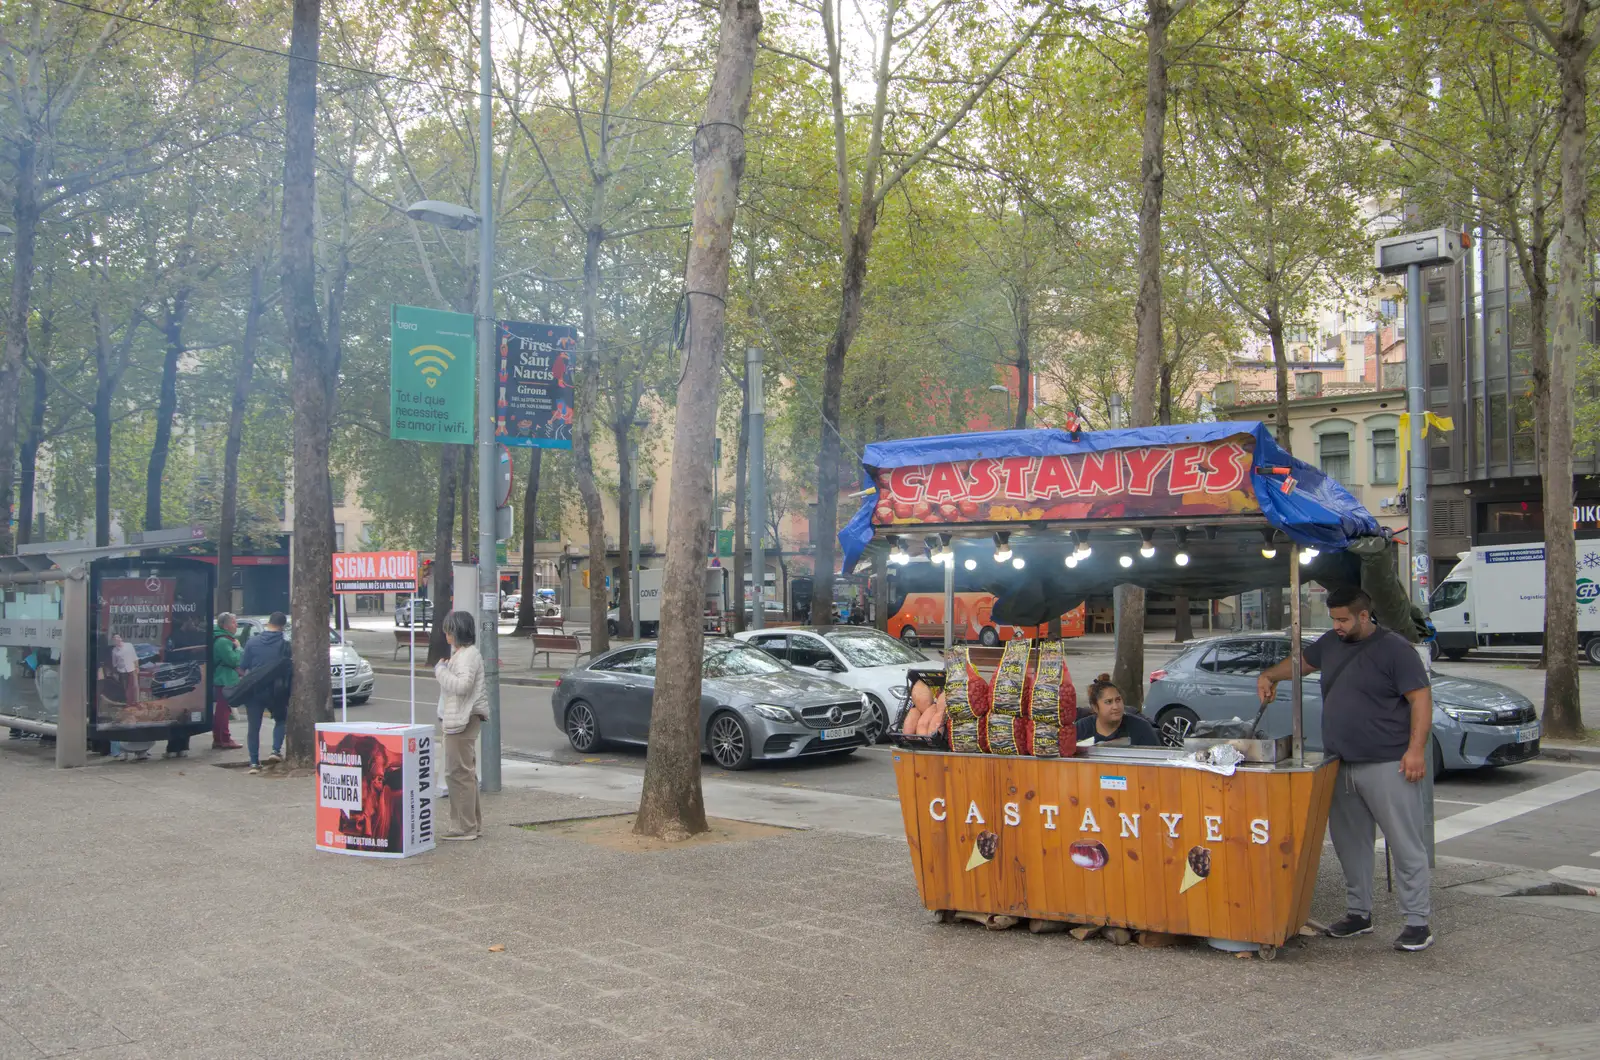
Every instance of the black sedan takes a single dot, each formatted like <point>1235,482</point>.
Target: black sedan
<point>751,705</point>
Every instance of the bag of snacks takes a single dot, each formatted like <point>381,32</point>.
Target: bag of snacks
<point>1010,678</point>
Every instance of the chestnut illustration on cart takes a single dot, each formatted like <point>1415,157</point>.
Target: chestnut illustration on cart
<point>983,850</point>
<point>1197,868</point>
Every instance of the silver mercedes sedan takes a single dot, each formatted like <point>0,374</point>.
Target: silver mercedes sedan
<point>751,705</point>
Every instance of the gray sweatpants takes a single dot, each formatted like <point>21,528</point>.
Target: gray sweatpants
<point>1368,793</point>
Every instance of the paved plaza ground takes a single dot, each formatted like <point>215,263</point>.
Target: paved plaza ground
<point>178,909</point>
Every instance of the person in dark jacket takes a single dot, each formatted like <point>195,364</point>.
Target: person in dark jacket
<point>267,648</point>
<point>1111,721</point>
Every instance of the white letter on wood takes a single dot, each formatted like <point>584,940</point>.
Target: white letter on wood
<point>1213,829</point>
<point>937,816</point>
<point>1171,820</point>
<point>1013,814</point>
<point>973,814</point>
<point>1088,824</point>
<point>1049,812</point>
<point>1130,825</point>
<point>1258,831</point>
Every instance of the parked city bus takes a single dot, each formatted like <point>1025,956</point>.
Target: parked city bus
<point>916,609</point>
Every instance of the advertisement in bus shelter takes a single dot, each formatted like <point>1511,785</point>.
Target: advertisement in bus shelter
<point>1187,480</point>
<point>151,639</point>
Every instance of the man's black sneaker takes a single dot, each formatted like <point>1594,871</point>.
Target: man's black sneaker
<point>1415,937</point>
<point>1349,926</point>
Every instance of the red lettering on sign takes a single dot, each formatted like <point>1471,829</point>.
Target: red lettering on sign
<point>1143,466</point>
<point>905,483</point>
<point>985,482</point>
<point>1015,469</point>
<point>1230,467</point>
<point>945,482</point>
<point>1185,476</point>
<point>1101,473</point>
<point>1054,479</point>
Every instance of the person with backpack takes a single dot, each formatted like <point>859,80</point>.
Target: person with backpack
<point>225,660</point>
<point>268,692</point>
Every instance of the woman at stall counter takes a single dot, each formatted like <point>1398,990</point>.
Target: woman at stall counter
<point>1110,721</point>
<point>463,704</point>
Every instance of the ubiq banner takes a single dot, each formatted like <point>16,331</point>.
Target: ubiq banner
<point>377,789</point>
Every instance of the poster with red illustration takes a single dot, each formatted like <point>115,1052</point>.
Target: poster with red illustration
<point>1199,478</point>
<point>377,789</point>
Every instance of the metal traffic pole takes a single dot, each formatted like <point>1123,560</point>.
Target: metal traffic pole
<point>1417,464</point>
<point>488,466</point>
<point>758,489</point>
<point>1295,675</point>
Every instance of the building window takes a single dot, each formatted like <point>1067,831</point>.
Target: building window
<point>1497,428</point>
<point>1385,457</point>
<point>339,489</point>
<point>1523,447</point>
<point>1494,342</point>
<point>338,537</point>
<point>1334,452</point>
<point>1511,517</point>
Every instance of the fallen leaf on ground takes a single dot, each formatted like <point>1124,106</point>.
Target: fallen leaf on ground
<point>498,947</point>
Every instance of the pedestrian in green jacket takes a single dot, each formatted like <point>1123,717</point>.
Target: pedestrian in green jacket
<point>225,653</point>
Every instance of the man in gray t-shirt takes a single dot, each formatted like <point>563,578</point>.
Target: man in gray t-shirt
<point>1377,717</point>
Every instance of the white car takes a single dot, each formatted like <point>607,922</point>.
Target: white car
<point>863,658</point>
<point>345,665</point>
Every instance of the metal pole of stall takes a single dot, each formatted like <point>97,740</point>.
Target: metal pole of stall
<point>633,535</point>
<point>72,717</point>
<point>757,434</point>
<point>1417,464</point>
<point>1295,674</point>
<point>949,603</point>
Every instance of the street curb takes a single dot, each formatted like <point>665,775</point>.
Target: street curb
<point>1580,754</point>
<point>505,678</point>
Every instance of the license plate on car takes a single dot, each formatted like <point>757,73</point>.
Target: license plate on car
<point>1527,733</point>
<point>839,734</point>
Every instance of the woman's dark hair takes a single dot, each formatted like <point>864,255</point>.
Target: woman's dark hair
<point>460,625</point>
<point>1099,685</point>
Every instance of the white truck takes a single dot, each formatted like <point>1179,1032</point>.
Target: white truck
<point>649,603</point>
<point>1495,598</point>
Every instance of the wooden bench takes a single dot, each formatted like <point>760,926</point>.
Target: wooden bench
<point>404,638</point>
<point>548,622</point>
<point>553,642</point>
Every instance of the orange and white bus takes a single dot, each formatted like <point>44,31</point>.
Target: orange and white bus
<point>916,611</point>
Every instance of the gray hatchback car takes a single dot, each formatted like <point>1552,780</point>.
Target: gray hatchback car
<point>1475,723</point>
<point>751,705</point>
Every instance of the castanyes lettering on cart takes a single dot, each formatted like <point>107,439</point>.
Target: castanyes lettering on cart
<point>1211,828</point>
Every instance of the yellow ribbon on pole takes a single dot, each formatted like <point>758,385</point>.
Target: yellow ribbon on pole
<point>1429,419</point>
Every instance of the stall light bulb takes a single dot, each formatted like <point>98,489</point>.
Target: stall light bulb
<point>1181,559</point>
<point>1126,561</point>
<point>1018,563</point>
<point>971,564</point>
<point>1002,554</point>
<point>1082,552</point>
<point>1072,561</point>
<point>1269,552</point>
<point>1306,557</point>
<point>1147,550</point>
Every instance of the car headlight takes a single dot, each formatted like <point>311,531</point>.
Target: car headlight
<point>364,667</point>
<point>775,713</point>
<point>1468,714</point>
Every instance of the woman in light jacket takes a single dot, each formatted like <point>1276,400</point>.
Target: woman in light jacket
<point>463,704</point>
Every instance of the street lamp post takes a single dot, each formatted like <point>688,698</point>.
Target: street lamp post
<point>639,425</point>
<point>460,218</point>
<point>999,389</point>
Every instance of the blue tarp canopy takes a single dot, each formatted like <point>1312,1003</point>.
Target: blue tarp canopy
<point>1317,511</point>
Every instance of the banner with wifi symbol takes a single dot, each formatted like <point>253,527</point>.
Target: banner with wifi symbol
<point>432,372</point>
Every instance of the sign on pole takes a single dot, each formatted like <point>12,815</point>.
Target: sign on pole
<point>533,402</point>
<point>431,375</point>
<point>374,572</point>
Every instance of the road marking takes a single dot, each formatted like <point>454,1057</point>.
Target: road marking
<point>1460,802</point>
<point>1501,810</point>
<point>1576,874</point>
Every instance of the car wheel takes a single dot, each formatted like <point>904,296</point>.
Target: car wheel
<point>611,627</point>
<point>356,701</point>
<point>908,637</point>
<point>1592,650</point>
<point>879,723</point>
<point>1434,651</point>
<point>989,638</point>
<point>1174,724</point>
<point>729,741</point>
<point>1438,759</point>
<point>583,730</point>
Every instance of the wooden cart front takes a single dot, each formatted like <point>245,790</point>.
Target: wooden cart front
<point>1180,850</point>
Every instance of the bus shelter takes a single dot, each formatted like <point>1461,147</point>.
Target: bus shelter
<point>102,644</point>
<point>1141,838</point>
